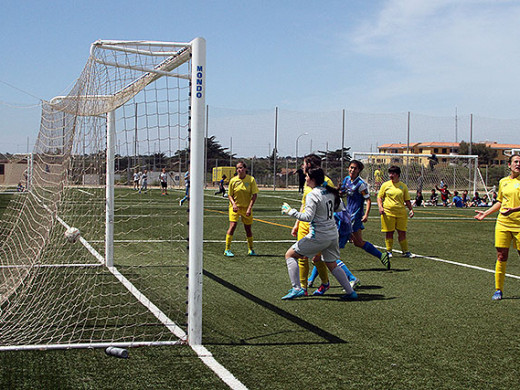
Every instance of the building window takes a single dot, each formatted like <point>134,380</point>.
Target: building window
<point>444,150</point>
<point>2,169</point>
<point>435,150</point>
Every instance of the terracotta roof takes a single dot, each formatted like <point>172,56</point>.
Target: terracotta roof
<point>492,145</point>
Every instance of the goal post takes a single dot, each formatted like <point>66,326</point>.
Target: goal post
<point>135,109</point>
<point>424,171</point>
<point>197,171</point>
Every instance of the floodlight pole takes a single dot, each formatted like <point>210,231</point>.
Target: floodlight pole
<point>275,151</point>
<point>342,145</point>
<point>196,219</point>
<point>109,208</point>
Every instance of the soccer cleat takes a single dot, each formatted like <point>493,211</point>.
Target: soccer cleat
<point>497,296</point>
<point>228,253</point>
<point>349,297</point>
<point>305,294</point>
<point>251,252</point>
<point>385,260</point>
<point>355,283</point>
<point>180,202</point>
<point>322,289</point>
<point>293,293</point>
<point>389,253</point>
<point>408,255</point>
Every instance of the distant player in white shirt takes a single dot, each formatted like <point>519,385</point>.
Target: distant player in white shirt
<point>144,181</point>
<point>320,205</point>
<point>137,177</point>
<point>163,178</point>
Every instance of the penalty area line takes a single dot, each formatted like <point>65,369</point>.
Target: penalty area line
<point>475,267</point>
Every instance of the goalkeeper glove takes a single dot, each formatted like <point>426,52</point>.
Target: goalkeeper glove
<point>285,208</point>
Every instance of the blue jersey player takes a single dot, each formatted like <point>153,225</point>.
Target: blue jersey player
<point>356,192</point>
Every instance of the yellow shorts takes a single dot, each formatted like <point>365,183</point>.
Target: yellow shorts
<point>303,230</point>
<point>234,217</point>
<point>390,224</point>
<point>503,238</point>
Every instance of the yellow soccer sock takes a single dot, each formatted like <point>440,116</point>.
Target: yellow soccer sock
<point>389,242</point>
<point>404,245</point>
<point>322,271</point>
<point>229,238</point>
<point>500,274</point>
<point>303,265</point>
<point>250,243</point>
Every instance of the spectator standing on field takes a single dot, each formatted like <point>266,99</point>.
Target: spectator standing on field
<point>144,181</point>
<point>301,180</point>
<point>221,188</point>
<point>163,178</point>
<point>137,177</point>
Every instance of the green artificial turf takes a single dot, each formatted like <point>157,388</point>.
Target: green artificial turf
<point>425,324</point>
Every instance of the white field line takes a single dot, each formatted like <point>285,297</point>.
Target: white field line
<point>172,326</point>
<point>222,372</point>
<point>52,265</point>
<point>183,240</point>
<point>203,354</point>
<point>453,263</point>
<point>85,192</point>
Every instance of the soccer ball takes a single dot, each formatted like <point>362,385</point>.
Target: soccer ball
<point>72,234</point>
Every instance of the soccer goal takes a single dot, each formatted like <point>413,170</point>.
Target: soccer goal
<point>512,152</point>
<point>134,275</point>
<point>424,172</point>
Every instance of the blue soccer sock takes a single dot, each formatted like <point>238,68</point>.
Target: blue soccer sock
<point>313,275</point>
<point>346,270</point>
<point>369,248</point>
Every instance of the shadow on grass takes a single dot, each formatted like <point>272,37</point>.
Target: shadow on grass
<point>334,294</point>
<point>329,337</point>
<point>381,270</point>
<point>513,297</point>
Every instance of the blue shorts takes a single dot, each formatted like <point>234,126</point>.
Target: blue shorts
<point>357,225</point>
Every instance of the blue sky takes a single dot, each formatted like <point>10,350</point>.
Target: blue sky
<point>392,56</point>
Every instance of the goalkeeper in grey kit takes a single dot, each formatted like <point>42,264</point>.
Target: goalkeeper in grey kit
<point>320,205</point>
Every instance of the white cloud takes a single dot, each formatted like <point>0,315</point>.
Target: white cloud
<point>466,50</point>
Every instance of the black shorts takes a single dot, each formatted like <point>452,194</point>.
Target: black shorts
<point>164,184</point>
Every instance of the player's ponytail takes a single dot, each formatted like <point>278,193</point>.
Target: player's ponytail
<point>318,176</point>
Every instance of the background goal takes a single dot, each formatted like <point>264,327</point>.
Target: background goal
<point>138,106</point>
<point>420,171</point>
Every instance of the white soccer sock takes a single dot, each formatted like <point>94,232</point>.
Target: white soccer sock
<point>294,272</point>
<point>341,277</point>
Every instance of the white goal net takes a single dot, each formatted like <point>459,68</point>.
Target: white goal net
<point>424,172</point>
<point>134,109</point>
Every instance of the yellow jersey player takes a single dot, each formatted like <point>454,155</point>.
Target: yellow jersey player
<point>391,199</point>
<point>507,228</point>
<point>242,193</point>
